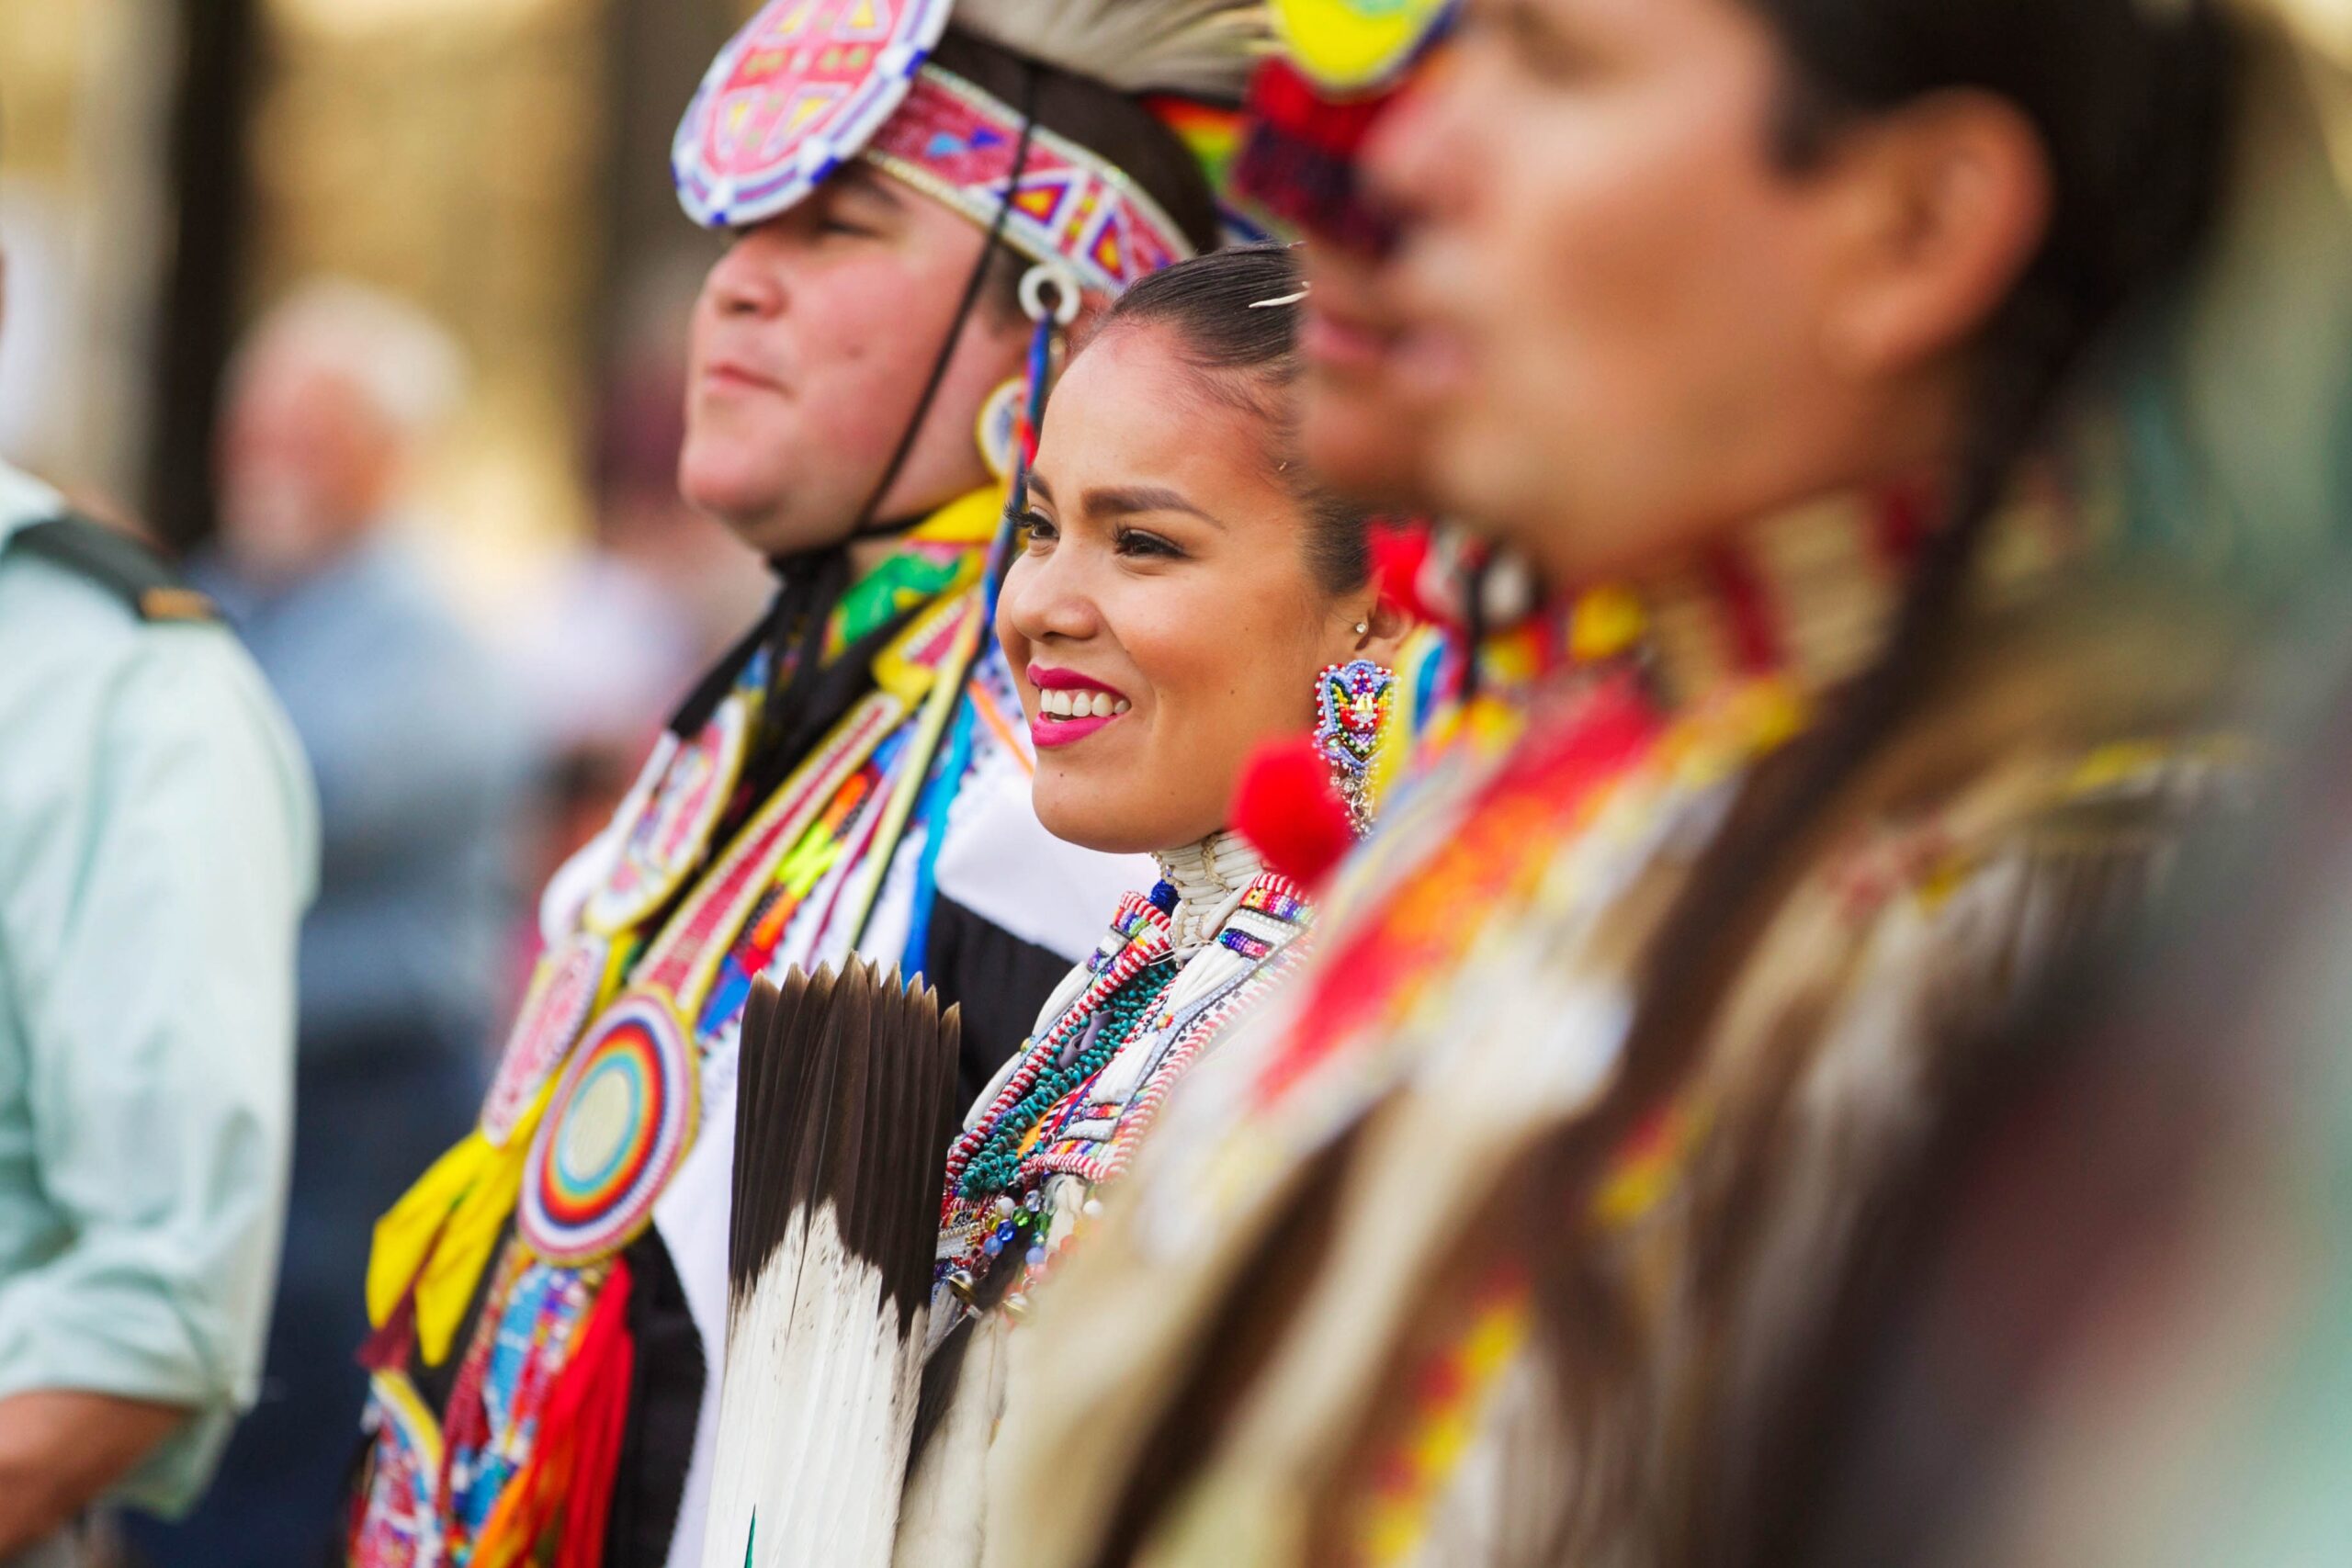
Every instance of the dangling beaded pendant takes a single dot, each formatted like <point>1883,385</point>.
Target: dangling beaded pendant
<point>1352,704</point>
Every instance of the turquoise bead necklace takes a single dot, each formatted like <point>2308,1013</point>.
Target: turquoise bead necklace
<point>995,1166</point>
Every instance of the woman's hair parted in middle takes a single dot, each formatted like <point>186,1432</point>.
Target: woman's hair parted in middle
<point>1234,315</point>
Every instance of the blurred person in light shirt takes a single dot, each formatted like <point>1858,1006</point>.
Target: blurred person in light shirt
<point>421,760</point>
<point>157,846</point>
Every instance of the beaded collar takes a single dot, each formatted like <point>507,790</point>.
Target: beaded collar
<point>1208,880</point>
<point>1807,595</point>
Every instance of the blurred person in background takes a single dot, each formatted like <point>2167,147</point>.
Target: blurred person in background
<point>421,761</point>
<point>157,846</point>
<point>1504,1237</point>
<point>551,1296</point>
<point>1362,426</point>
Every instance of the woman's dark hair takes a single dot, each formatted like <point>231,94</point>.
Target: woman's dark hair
<point>1098,118</point>
<point>1234,316</point>
<point>2132,101</point>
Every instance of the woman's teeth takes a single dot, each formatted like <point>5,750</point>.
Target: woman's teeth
<point>1064,702</point>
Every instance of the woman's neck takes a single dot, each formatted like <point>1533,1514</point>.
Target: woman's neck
<point>1209,878</point>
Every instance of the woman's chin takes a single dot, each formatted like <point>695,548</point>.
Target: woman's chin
<point>1088,815</point>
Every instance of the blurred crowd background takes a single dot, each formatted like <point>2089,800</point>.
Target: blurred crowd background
<point>170,170</point>
<point>375,310</point>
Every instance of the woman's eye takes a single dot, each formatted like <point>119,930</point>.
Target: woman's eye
<point>840,226</point>
<point>1033,529</point>
<point>1135,542</point>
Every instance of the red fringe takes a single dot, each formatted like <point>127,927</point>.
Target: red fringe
<point>603,1375</point>
<point>569,1478</point>
<point>388,1348</point>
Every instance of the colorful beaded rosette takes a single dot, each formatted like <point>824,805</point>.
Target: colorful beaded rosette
<point>1347,47</point>
<point>619,1125</point>
<point>811,85</point>
<point>1351,703</point>
<point>799,92</point>
<point>564,989</point>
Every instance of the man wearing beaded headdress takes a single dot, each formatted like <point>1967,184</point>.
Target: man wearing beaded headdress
<point>550,1298</point>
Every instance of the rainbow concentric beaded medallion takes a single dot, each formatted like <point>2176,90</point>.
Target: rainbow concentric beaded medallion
<point>619,1125</point>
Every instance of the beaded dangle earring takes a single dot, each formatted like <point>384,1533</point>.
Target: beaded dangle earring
<point>1352,704</point>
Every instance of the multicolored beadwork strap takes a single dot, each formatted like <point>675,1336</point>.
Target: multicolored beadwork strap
<point>955,141</point>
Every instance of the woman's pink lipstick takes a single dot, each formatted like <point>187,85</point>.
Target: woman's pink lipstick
<point>1071,707</point>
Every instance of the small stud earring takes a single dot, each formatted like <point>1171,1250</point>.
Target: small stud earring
<point>1363,628</point>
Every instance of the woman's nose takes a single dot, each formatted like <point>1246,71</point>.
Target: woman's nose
<point>1045,598</point>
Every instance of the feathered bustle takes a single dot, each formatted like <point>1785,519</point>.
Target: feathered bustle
<point>843,1110</point>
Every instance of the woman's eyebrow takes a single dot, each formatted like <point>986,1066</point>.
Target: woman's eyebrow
<point>1129,501</point>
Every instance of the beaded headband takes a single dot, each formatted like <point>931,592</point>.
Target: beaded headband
<point>808,84</point>
<point>956,143</point>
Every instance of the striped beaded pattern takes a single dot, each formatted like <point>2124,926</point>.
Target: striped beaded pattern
<point>1112,972</point>
<point>1093,1083</point>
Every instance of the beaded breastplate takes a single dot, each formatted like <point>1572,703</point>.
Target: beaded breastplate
<point>1086,1089</point>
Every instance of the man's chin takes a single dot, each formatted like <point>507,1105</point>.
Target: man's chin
<point>751,506</point>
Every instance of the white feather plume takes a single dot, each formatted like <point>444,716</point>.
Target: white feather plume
<point>1203,47</point>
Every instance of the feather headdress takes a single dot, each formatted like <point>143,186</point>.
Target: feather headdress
<point>1204,48</point>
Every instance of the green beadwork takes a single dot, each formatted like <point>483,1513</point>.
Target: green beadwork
<point>995,1165</point>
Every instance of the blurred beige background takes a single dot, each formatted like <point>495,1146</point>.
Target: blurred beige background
<point>168,167</point>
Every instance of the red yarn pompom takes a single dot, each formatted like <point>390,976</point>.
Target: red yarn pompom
<point>1288,807</point>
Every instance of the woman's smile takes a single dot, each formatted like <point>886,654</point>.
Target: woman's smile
<point>1071,707</point>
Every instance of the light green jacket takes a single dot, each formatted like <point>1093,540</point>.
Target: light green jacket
<point>158,844</point>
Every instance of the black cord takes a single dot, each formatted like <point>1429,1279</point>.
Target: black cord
<point>865,528</point>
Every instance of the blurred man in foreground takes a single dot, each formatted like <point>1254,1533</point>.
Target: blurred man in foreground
<point>156,848</point>
<point>421,765</point>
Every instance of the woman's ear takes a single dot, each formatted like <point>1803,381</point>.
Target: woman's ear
<point>1386,626</point>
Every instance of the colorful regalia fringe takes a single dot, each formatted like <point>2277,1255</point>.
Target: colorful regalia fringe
<point>568,1480</point>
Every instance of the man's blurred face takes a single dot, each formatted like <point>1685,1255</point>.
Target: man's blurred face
<point>307,465</point>
<point>1618,295</point>
<point>1363,425</point>
<point>812,341</point>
